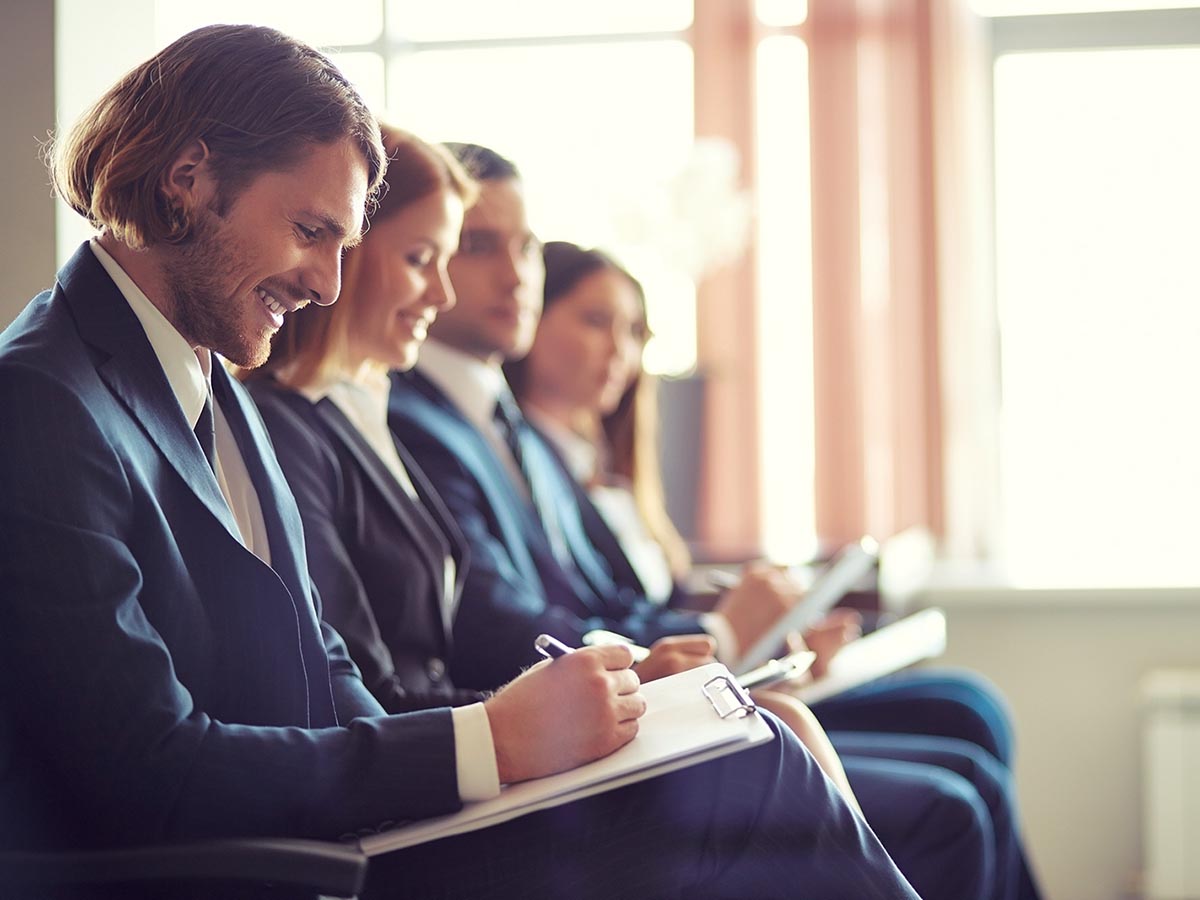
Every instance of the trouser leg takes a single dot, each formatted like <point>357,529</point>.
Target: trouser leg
<point>932,822</point>
<point>763,823</point>
<point>991,780</point>
<point>950,703</point>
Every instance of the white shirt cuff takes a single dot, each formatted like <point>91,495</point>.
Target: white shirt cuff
<point>718,626</point>
<point>474,754</point>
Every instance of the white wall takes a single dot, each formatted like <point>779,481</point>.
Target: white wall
<point>1070,663</point>
<point>27,223</point>
<point>96,44</point>
<point>123,31</point>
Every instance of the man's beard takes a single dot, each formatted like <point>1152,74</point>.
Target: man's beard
<point>203,309</point>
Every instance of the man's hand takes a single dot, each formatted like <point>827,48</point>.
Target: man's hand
<point>757,601</point>
<point>670,655</point>
<point>563,713</point>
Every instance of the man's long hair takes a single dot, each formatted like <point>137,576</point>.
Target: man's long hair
<point>256,97</point>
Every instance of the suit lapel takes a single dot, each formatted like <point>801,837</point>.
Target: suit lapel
<point>560,486</point>
<point>133,373</point>
<point>596,530</point>
<point>280,514</point>
<point>607,544</point>
<point>397,499</point>
<point>440,417</point>
<point>441,516</point>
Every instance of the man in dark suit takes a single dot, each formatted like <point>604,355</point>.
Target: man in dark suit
<point>166,666</point>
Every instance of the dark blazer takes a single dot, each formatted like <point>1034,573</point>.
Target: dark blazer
<point>515,588</point>
<point>160,681</point>
<point>376,554</point>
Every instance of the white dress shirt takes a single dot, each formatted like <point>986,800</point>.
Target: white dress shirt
<point>474,387</point>
<point>363,399</point>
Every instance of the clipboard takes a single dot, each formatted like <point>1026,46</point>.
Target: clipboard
<point>690,718</point>
<point>851,564</point>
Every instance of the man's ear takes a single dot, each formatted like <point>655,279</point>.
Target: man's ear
<point>188,181</point>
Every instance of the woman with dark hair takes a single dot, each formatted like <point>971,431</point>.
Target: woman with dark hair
<point>602,416</point>
<point>583,386</point>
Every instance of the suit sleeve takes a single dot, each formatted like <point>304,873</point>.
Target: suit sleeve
<point>111,735</point>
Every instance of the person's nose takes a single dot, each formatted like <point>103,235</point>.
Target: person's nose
<point>323,274</point>
<point>440,292</point>
<point>512,269</point>
<point>616,344</point>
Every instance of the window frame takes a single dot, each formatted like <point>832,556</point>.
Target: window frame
<point>975,520</point>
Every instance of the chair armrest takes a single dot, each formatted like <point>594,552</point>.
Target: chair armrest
<point>337,870</point>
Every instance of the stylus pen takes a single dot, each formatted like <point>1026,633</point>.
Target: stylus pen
<point>549,647</point>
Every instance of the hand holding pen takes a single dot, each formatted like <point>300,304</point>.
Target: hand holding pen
<point>559,715</point>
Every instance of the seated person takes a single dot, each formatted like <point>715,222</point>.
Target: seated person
<point>168,670</point>
<point>583,386</point>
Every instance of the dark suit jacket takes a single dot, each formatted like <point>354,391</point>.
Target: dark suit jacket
<point>159,680</point>
<point>376,555</point>
<point>515,588</point>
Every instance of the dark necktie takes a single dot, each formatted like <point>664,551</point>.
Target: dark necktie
<point>509,422</point>
<point>515,430</point>
<point>206,432</point>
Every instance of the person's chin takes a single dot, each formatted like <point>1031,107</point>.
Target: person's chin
<point>246,350</point>
<point>406,356</point>
<point>514,344</point>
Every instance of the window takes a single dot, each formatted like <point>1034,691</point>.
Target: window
<point>1096,198</point>
<point>785,302</point>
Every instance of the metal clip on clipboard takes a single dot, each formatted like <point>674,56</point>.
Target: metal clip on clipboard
<point>727,697</point>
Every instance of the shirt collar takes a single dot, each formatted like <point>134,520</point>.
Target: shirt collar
<point>366,390</point>
<point>472,385</point>
<point>188,369</point>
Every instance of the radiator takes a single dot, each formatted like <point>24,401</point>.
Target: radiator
<point>1172,784</point>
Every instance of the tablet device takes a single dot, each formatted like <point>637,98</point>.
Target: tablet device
<point>845,570</point>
